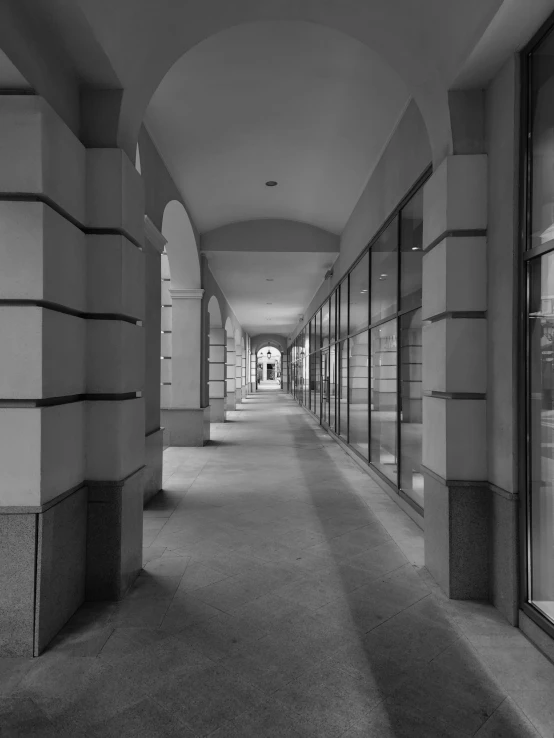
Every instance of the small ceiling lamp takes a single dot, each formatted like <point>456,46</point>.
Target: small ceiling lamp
<point>271,183</point>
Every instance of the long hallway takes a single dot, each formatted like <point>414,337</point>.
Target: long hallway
<point>283,594</point>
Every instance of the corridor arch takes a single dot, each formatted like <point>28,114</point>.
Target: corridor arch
<point>269,362</point>
<point>392,32</point>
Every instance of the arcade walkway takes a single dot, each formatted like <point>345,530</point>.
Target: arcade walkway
<point>283,594</point>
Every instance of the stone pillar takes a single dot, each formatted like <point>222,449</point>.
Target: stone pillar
<point>243,372</point>
<point>253,369</point>
<point>230,399</point>
<point>187,423</point>
<point>166,340</point>
<point>454,376</point>
<point>238,372</point>
<point>154,246</point>
<point>71,374</point>
<point>115,373</point>
<point>217,375</point>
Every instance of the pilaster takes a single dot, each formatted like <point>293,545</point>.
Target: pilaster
<point>217,374</point>
<point>454,376</point>
<point>186,421</point>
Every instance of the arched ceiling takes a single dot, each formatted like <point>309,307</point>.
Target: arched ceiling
<point>294,102</point>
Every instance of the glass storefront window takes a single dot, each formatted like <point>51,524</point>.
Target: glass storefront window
<point>384,399</point>
<point>325,324</point>
<point>316,345</point>
<point>332,318</point>
<point>411,422</point>
<point>541,431</point>
<point>542,144</point>
<point>325,372</point>
<point>316,364</point>
<point>358,395</point>
<point>343,317</point>
<point>411,255</point>
<point>342,390</point>
<point>359,295</point>
<point>384,274</point>
<point>332,387</point>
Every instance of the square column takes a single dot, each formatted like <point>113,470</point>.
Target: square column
<point>454,376</point>
<point>253,368</point>
<point>238,373</point>
<point>154,244</point>
<point>231,374</point>
<point>187,423</point>
<point>216,380</point>
<point>71,374</point>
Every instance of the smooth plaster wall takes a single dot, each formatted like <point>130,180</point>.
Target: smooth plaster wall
<point>403,161</point>
<point>502,139</point>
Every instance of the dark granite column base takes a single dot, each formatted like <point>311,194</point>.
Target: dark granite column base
<point>457,525</point>
<point>114,536</point>
<point>42,572</point>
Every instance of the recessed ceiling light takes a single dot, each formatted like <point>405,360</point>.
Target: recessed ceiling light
<point>269,303</point>
<point>271,183</point>
<point>269,280</point>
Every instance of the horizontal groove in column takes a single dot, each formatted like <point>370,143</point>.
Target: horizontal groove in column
<point>69,399</point>
<point>458,233</point>
<point>455,395</point>
<point>87,230</point>
<point>56,307</point>
<point>151,433</point>
<point>458,315</point>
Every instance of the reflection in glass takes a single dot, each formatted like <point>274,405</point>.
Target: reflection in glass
<point>384,273</point>
<point>541,431</point>
<point>542,143</point>
<point>411,478</point>
<point>359,297</point>
<point>316,345</point>
<point>343,318</point>
<point>316,360</point>
<point>358,392</point>
<point>411,257</point>
<point>332,318</point>
<point>325,324</point>
<point>332,387</point>
<point>325,387</point>
<point>342,389</point>
<point>383,399</point>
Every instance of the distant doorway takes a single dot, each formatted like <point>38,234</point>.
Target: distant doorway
<point>269,367</point>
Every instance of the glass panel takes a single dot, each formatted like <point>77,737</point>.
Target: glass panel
<point>358,393</point>
<point>332,387</point>
<point>316,345</point>
<point>325,387</point>
<point>411,258</point>
<point>343,318</point>
<point>383,399</point>
<point>316,407</point>
<point>541,431</point>
<point>311,335</point>
<point>411,478</point>
<point>384,273</point>
<point>332,318</point>
<point>342,399</point>
<point>359,298</point>
<point>325,323</point>
<point>542,143</point>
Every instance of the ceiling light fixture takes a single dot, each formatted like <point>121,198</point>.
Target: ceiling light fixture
<point>415,248</point>
<point>271,183</point>
<point>269,280</point>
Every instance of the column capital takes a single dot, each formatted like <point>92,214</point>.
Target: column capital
<point>186,294</point>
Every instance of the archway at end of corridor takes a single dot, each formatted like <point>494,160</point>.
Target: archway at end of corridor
<point>269,368</point>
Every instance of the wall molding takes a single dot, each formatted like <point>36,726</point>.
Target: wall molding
<point>154,236</point>
<point>456,233</point>
<point>458,315</point>
<point>69,399</point>
<point>186,294</point>
<point>56,307</point>
<point>455,395</point>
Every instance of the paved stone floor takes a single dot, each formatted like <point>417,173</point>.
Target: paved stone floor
<point>283,594</point>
